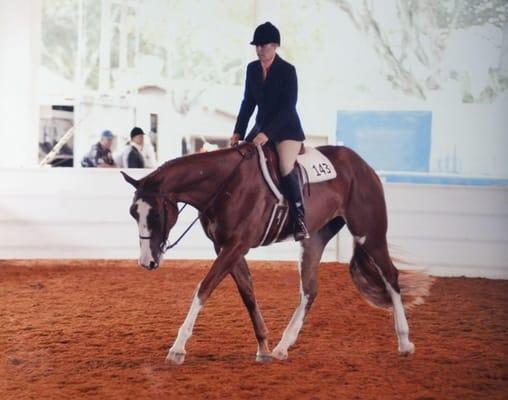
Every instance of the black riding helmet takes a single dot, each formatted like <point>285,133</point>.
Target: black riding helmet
<point>266,33</point>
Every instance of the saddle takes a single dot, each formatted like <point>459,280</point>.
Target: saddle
<point>313,166</point>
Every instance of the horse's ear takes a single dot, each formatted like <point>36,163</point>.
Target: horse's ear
<point>130,179</point>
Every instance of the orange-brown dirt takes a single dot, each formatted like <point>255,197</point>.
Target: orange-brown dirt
<point>101,329</point>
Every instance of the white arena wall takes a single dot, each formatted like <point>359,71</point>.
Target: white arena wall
<point>83,213</point>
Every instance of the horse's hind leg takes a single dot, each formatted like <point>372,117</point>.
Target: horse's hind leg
<point>311,252</point>
<point>389,274</point>
<point>243,280</point>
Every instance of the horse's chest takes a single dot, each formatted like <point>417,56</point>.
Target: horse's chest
<point>213,227</point>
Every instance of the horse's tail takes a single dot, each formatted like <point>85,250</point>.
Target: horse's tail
<point>414,285</point>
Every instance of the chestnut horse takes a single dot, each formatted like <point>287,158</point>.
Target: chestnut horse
<point>234,205</point>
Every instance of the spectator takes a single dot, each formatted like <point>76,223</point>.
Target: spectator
<point>132,155</point>
<point>149,156</point>
<point>100,155</point>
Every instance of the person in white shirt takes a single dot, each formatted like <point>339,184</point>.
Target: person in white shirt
<point>132,155</point>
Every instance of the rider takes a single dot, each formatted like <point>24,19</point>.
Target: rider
<point>271,85</point>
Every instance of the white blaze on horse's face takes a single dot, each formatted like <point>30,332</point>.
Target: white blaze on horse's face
<point>146,258</point>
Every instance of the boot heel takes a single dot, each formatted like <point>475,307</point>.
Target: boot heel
<point>301,231</point>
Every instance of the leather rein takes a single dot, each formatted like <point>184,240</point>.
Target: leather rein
<point>165,246</point>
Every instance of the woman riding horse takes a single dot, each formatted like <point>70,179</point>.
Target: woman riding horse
<point>271,84</point>
<point>223,186</point>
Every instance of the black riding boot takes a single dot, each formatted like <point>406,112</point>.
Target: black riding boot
<point>290,185</point>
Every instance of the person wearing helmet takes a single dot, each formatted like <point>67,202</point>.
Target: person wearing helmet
<point>271,85</point>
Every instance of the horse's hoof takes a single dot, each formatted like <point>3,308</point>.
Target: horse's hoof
<point>263,358</point>
<point>175,357</point>
<point>280,354</point>
<point>407,349</point>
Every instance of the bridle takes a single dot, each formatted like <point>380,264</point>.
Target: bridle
<point>165,228</point>
<point>165,202</point>
<point>164,245</point>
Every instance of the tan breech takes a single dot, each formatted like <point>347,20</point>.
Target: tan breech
<point>287,150</point>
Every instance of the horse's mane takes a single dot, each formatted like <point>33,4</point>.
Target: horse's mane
<point>188,158</point>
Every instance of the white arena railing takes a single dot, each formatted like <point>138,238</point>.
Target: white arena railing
<point>57,213</point>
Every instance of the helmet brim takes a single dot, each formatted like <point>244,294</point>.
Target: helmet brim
<point>261,43</point>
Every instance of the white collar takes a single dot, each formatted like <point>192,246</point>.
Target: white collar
<point>137,146</point>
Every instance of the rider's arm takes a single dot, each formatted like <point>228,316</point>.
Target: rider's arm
<point>247,107</point>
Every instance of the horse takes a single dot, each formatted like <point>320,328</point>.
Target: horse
<point>235,203</point>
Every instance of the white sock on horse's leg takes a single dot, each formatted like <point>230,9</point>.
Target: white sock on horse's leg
<point>177,352</point>
<point>401,325</point>
<point>399,317</point>
<point>293,329</point>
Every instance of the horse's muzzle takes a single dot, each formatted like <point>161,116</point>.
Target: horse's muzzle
<point>151,265</point>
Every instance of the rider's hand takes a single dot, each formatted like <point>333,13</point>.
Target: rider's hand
<point>233,141</point>
<point>260,139</point>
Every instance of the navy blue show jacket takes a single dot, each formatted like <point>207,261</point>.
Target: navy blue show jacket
<point>275,98</point>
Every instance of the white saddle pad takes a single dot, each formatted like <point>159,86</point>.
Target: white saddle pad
<point>317,165</point>
<point>314,165</point>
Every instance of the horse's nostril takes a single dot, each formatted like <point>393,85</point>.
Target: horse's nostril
<point>152,265</point>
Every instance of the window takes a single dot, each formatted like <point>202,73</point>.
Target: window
<point>200,144</point>
<point>56,146</point>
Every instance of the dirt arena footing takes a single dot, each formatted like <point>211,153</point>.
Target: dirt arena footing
<point>102,329</point>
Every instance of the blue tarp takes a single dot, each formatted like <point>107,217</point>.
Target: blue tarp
<point>388,141</point>
<point>398,141</point>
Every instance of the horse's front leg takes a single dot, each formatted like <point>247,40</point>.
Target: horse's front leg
<point>226,259</point>
<point>243,280</point>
